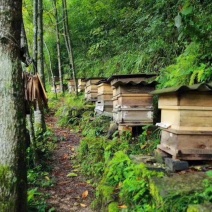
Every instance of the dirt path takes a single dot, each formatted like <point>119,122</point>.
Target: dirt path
<point>68,193</point>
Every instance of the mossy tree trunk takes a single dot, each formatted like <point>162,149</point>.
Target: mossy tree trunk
<point>12,113</point>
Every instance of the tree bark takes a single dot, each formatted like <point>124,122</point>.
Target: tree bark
<point>29,123</point>
<point>35,30</point>
<point>12,113</point>
<point>58,47</point>
<point>25,56</point>
<point>40,57</point>
<point>39,121</point>
<point>50,67</point>
<point>69,48</point>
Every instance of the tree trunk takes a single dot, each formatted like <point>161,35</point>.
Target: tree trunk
<point>40,57</point>
<point>50,67</point>
<point>35,30</point>
<point>39,121</point>
<point>68,44</point>
<point>58,47</point>
<point>25,56</point>
<point>12,113</point>
<point>30,126</point>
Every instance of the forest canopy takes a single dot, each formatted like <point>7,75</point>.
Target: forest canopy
<point>169,37</point>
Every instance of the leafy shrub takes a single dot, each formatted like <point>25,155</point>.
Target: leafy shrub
<point>127,182</point>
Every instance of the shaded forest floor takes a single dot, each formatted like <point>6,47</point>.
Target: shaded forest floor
<point>71,193</point>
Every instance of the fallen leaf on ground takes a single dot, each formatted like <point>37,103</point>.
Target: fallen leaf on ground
<point>85,194</point>
<point>76,166</point>
<point>47,178</point>
<point>65,156</point>
<point>72,175</point>
<point>122,206</point>
<point>83,205</point>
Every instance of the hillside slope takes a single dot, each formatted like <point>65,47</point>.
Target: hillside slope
<point>128,36</point>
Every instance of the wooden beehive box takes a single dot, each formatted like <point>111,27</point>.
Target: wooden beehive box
<point>186,121</point>
<point>132,101</point>
<point>81,85</point>
<point>91,89</point>
<point>104,103</point>
<point>71,86</point>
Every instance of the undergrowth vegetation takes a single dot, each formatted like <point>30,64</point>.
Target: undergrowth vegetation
<point>121,183</point>
<point>172,38</point>
<point>38,171</point>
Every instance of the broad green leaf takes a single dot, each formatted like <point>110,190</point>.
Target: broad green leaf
<point>187,10</point>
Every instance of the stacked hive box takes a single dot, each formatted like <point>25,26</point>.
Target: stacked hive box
<point>81,85</point>
<point>57,88</point>
<point>186,121</point>
<point>132,101</point>
<point>91,89</point>
<point>71,86</point>
<point>104,103</point>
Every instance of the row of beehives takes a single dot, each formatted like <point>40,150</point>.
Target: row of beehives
<point>126,98</point>
<point>186,111</point>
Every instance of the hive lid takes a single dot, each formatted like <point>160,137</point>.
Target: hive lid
<point>133,79</point>
<point>94,78</point>
<point>196,87</point>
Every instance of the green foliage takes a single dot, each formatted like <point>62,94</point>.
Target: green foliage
<point>95,152</point>
<point>130,183</point>
<point>126,37</point>
<point>113,207</point>
<point>148,140</point>
<point>187,70</point>
<point>70,109</point>
<point>90,156</point>
<point>38,176</point>
<point>116,36</point>
<point>36,201</point>
<point>92,126</point>
<point>8,185</point>
<point>45,143</point>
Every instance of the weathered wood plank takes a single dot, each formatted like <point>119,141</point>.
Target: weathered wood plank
<point>135,100</point>
<point>134,115</point>
<point>81,85</point>
<point>179,145</point>
<point>196,98</point>
<point>91,96</point>
<point>104,88</point>
<point>133,89</point>
<point>187,118</point>
<point>105,97</point>
<point>168,100</point>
